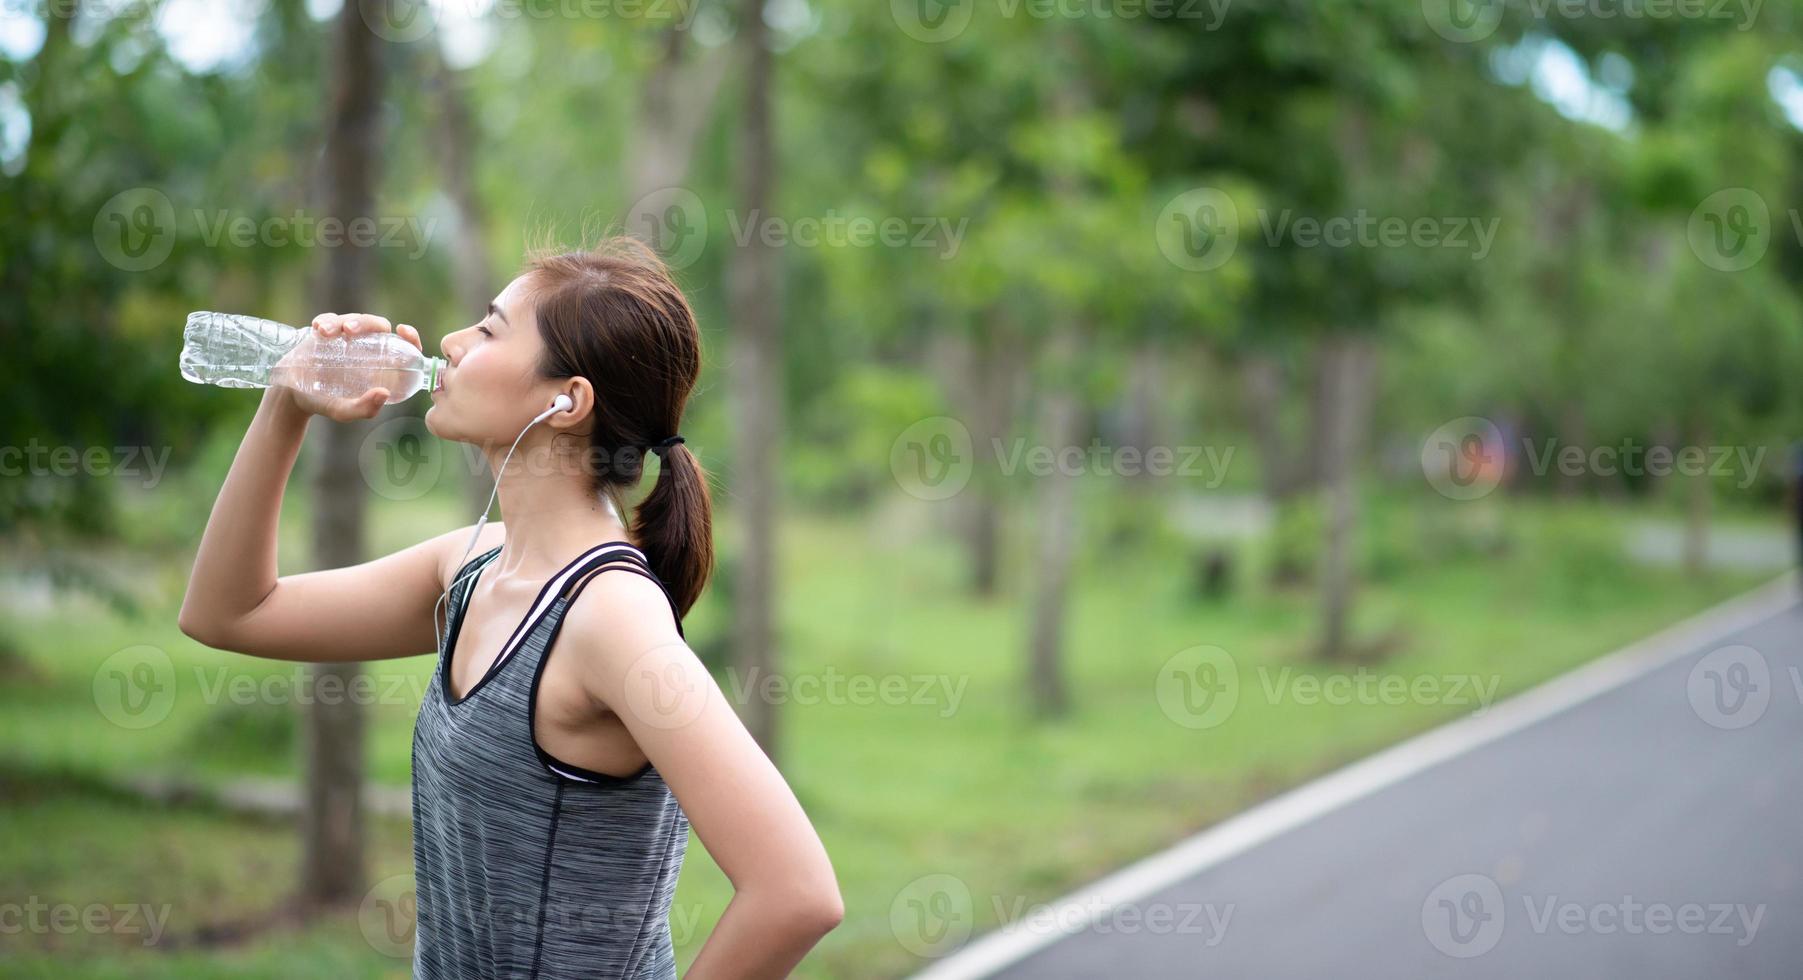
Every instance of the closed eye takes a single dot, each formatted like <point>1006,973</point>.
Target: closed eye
<point>485,331</point>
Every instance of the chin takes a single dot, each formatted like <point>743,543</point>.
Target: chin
<point>432,426</point>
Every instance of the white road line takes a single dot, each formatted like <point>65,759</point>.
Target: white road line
<point>1235,835</point>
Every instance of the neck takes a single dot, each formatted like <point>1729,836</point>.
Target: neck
<point>550,514</point>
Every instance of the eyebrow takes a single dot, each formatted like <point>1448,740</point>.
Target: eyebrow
<point>496,310</point>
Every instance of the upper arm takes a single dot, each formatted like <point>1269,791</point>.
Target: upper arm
<point>634,662</point>
<point>376,610</point>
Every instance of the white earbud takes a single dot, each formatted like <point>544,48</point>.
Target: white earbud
<point>561,403</point>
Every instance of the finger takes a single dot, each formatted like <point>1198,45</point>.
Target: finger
<point>410,335</point>
<point>360,323</point>
<point>321,319</point>
<point>328,324</point>
<point>373,400</point>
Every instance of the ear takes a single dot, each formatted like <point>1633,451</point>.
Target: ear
<point>582,395</point>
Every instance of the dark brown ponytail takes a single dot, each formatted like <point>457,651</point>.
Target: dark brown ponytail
<point>615,316</point>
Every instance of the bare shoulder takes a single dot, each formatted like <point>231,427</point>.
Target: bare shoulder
<point>622,621</point>
<point>450,546</point>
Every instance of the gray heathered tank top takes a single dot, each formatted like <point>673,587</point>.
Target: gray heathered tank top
<point>526,866</point>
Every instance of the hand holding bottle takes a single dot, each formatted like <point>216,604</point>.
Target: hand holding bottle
<point>308,372</point>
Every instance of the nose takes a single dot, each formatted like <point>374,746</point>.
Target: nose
<point>452,346</point>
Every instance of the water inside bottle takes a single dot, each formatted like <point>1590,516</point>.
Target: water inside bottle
<point>346,368</point>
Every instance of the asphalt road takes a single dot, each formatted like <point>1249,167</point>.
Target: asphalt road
<point>1653,831</point>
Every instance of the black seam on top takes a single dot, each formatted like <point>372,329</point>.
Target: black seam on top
<point>545,759</point>
<point>642,569</point>
<point>676,840</point>
<point>544,885</point>
<point>527,624</point>
<point>459,605</point>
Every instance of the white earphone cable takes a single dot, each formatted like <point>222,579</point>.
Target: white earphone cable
<point>483,520</point>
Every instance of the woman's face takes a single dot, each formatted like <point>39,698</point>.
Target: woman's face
<point>491,388</point>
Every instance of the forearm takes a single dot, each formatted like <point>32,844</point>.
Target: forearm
<point>236,565</point>
<point>759,938</point>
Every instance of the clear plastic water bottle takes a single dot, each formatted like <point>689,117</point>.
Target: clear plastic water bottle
<point>236,351</point>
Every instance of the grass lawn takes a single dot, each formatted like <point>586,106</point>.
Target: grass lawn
<point>913,752</point>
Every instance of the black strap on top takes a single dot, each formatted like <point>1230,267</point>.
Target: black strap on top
<point>608,561</point>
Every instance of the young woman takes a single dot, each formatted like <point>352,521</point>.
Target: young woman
<point>568,735</point>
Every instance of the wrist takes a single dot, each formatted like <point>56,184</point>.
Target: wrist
<point>281,403</point>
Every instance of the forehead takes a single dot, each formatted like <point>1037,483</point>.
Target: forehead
<point>515,301</point>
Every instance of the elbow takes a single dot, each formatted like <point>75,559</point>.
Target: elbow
<point>831,913</point>
<point>191,627</point>
<point>201,632</point>
<point>822,912</point>
<point>806,913</point>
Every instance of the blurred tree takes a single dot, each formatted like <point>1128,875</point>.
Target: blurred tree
<point>332,831</point>
<point>755,283</point>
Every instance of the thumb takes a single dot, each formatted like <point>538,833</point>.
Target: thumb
<point>372,402</point>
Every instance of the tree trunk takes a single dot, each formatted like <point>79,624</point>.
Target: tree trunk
<point>754,287</point>
<point>1696,509</point>
<point>472,266</point>
<point>1345,384</point>
<point>1573,431</point>
<point>1262,376</point>
<point>332,851</point>
<point>989,376</point>
<point>1061,415</point>
<point>673,108</point>
<point>1142,417</point>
